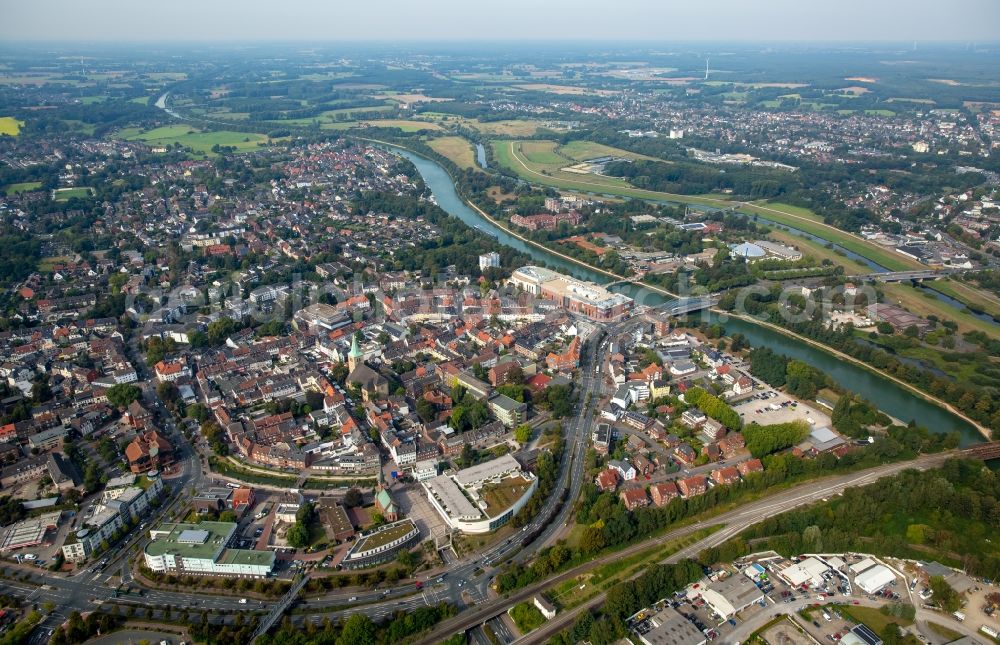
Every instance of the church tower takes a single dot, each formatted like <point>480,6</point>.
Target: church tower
<point>355,357</point>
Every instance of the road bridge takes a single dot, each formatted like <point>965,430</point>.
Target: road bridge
<point>906,276</point>
<point>682,306</point>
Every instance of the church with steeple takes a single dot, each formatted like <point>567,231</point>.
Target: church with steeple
<point>372,384</point>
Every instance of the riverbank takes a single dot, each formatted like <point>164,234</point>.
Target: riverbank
<point>904,400</point>
<point>983,430</point>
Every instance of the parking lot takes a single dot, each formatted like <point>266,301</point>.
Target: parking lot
<point>770,406</point>
<point>413,503</point>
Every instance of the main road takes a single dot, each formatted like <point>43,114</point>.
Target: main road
<point>732,522</point>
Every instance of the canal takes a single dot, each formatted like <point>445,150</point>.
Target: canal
<point>887,395</point>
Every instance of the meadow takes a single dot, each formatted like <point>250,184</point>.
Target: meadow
<point>198,140</point>
<point>10,126</point>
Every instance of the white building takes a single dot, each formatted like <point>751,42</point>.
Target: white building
<point>478,499</point>
<point>201,549</point>
<point>489,260</point>
<point>125,500</point>
<point>874,578</point>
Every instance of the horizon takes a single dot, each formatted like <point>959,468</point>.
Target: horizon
<point>633,21</point>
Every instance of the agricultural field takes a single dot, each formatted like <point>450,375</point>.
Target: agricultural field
<point>23,187</point>
<point>509,128</point>
<point>457,149</point>
<point>563,89</point>
<point>406,125</point>
<point>198,140</point>
<point>10,126</point>
<point>584,150</point>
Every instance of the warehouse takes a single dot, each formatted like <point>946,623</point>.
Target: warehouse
<point>731,595</point>
<point>670,627</point>
<point>875,578</point>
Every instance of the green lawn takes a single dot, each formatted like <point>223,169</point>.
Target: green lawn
<point>871,617</point>
<point>968,295</point>
<point>527,617</point>
<point>23,187</point>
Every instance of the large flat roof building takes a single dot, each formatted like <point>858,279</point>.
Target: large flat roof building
<point>202,549</point>
<point>483,497</point>
<point>670,627</point>
<point>584,298</point>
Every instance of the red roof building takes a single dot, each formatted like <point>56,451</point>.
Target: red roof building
<point>663,492</point>
<point>149,451</point>
<point>693,485</point>
<point>634,498</point>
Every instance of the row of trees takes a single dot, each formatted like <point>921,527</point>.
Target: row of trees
<point>626,598</point>
<point>608,523</point>
<point>764,440</point>
<point>359,629</point>
<point>714,407</point>
<point>951,512</point>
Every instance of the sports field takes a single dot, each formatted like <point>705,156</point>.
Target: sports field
<point>458,149</point>
<point>10,126</point>
<point>62,194</point>
<point>23,187</point>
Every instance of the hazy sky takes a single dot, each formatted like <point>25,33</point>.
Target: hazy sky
<point>573,20</point>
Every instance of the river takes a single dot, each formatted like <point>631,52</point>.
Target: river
<point>887,395</point>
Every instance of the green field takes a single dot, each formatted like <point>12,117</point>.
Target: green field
<point>405,125</point>
<point>538,161</point>
<point>584,150</point>
<point>925,305</point>
<point>62,194</point>
<point>968,295</point>
<point>818,251</point>
<point>23,187</point>
<point>11,126</point>
<point>871,617</point>
<point>457,149</point>
<point>197,140</point>
<point>510,155</point>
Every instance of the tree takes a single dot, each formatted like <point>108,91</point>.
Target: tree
<point>358,630</point>
<point>522,433</point>
<point>945,595</point>
<point>353,498</point>
<point>123,394</point>
<point>426,410</point>
<point>297,536</point>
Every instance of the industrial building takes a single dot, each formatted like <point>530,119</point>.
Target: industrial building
<point>874,578</point>
<point>730,595</point>
<point>670,627</point>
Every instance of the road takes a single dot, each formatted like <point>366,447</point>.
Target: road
<point>732,522</point>
<point>87,589</point>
